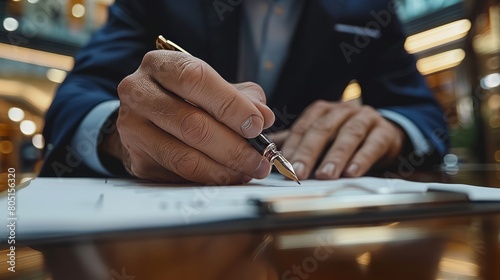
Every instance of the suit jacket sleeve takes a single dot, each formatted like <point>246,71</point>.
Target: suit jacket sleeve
<point>114,51</point>
<point>390,80</point>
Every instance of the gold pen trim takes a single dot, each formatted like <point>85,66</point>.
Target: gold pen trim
<point>164,44</point>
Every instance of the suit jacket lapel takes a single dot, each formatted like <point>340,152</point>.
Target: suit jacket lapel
<point>223,27</point>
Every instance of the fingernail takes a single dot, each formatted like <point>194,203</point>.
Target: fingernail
<point>352,170</point>
<point>263,169</point>
<point>299,169</point>
<point>328,169</point>
<point>249,128</point>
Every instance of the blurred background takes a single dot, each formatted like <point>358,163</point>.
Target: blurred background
<point>456,42</point>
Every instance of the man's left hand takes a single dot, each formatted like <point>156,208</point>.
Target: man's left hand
<point>352,139</point>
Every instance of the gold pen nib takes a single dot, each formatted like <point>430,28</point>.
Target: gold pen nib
<point>285,168</point>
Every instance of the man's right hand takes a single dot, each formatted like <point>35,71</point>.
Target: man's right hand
<point>164,138</point>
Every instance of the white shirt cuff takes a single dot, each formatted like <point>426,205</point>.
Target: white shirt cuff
<point>420,144</point>
<point>87,136</point>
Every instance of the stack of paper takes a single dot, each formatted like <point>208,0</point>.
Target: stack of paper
<point>50,207</point>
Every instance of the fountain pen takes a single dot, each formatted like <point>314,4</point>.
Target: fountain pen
<point>261,143</point>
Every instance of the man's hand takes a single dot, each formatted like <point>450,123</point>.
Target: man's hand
<point>352,139</point>
<point>167,139</point>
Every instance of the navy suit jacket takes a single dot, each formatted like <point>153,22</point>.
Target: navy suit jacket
<point>321,62</point>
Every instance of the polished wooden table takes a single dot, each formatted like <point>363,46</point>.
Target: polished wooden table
<point>450,247</point>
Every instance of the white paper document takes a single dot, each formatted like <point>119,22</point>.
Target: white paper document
<point>51,207</point>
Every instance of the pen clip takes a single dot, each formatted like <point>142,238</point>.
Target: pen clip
<point>164,44</point>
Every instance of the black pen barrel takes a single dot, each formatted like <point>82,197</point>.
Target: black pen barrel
<point>260,143</point>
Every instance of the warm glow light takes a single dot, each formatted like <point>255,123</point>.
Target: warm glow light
<point>10,24</point>
<point>352,91</point>
<point>459,267</point>
<point>78,10</point>
<point>497,156</point>
<point>440,62</point>
<point>364,259</point>
<point>491,81</point>
<point>494,102</point>
<point>38,141</point>
<point>6,147</point>
<point>438,36</point>
<point>15,114</point>
<point>56,75</point>
<point>105,2</point>
<point>45,59</point>
<point>28,127</point>
<point>495,121</point>
<point>30,94</point>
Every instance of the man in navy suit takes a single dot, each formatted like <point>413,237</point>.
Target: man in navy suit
<point>123,110</point>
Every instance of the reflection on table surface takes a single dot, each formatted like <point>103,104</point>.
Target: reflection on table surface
<point>465,247</point>
<point>473,174</point>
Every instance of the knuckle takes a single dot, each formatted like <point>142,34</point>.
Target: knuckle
<point>186,163</point>
<point>305,151</point>
<point>356,129</point>
<point>346,107</point>
<point>192,75</point>
<point>320,103</point>
<point>195,129</point>
<point>150,58</point>
<point>299,128</point>
<point>238,157</point>
<point>133,90</point>
<point>125,84</point>
<point>163,147</point>
<point>180,160</point>
<point>227,108</point>
<point>369,110</point>
<point>322,126</point>
<point>339,152</point>
<point>255,88</point>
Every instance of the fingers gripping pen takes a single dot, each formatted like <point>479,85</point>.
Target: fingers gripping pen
<point>261,143</point>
